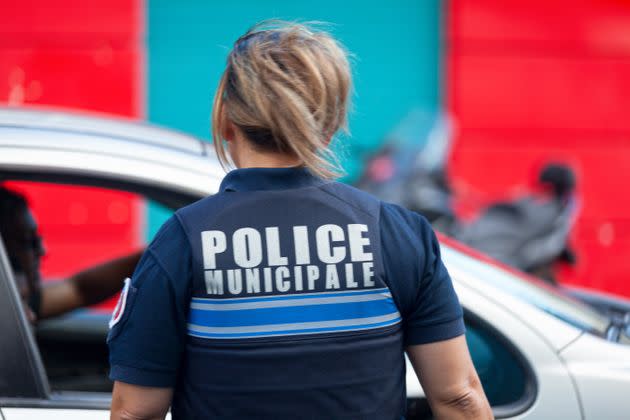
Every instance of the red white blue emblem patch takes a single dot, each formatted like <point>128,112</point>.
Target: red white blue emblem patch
<point>119,310</point>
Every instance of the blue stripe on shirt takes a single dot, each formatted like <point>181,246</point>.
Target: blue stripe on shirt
<point>303,331</point>
<point>293,314</point>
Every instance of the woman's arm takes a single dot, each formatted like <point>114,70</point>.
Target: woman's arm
<point>134,402</point>
<point>449,380</point>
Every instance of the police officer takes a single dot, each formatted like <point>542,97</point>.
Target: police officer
<point>287,295</point>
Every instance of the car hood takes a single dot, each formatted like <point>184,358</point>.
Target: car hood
<point>601,372</point>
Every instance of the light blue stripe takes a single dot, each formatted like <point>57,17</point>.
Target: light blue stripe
<point>316,300</point>
<point>355,322</point>
<point>291,296</point>
<point>293,332</point>
<point>292,314</point>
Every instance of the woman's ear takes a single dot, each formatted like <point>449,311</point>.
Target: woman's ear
<point>227,127</point>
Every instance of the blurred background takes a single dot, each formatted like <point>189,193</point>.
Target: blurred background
<point>468,101</point>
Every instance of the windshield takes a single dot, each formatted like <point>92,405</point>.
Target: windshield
<point>535,292</point>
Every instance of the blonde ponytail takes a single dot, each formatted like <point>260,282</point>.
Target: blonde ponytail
<point>286,88</point>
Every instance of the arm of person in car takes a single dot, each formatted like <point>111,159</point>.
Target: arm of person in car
<point>87,287</point>
<point>449,380</point>
<point>134,402</point>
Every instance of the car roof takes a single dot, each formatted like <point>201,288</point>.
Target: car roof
<point>82,122</point>
<point>51,141</point>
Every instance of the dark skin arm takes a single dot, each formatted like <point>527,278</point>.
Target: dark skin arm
<point>87,287</point>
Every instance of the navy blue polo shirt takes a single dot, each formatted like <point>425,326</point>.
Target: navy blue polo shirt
<point>283,296</point>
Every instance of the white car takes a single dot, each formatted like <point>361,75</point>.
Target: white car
<point>540,354</point>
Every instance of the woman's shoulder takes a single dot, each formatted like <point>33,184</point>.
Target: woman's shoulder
<point>389,213</point>
<point>353,196</point>
<point>401,221</point>
<point>204,204</point>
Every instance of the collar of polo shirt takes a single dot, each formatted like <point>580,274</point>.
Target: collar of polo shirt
<point>260,179</point>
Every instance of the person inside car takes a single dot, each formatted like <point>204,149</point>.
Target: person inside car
<point>24,248</point>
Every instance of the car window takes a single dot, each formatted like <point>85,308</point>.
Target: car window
<point>82,225</point>
<point>78,228</point>
<point>504,374</point>
<point>507,379</point>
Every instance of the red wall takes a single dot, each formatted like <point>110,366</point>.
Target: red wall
<point>538,80</point>
<point>76,54</point>
<point>526,82</point>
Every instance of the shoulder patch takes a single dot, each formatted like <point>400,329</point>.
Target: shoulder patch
<point>119,310</point>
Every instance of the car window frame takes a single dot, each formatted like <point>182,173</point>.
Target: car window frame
<point>24,365</point>
<point>527,400</point>
<point>162,195</point>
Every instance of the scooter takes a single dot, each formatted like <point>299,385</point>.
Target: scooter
<point>529,233</point>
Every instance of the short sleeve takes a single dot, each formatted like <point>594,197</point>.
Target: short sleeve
<point>148,329</point>
<point>419,281</point>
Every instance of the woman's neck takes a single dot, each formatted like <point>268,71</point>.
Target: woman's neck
<point>245,156</point>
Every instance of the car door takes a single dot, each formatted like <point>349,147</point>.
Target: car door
<point>32,386</point>
<point>25,389</point>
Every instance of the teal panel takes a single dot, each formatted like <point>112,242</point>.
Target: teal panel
<point>157,214</point>
<point>396,47</point>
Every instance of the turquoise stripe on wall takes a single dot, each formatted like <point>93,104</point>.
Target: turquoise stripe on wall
<point>396,64</point>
